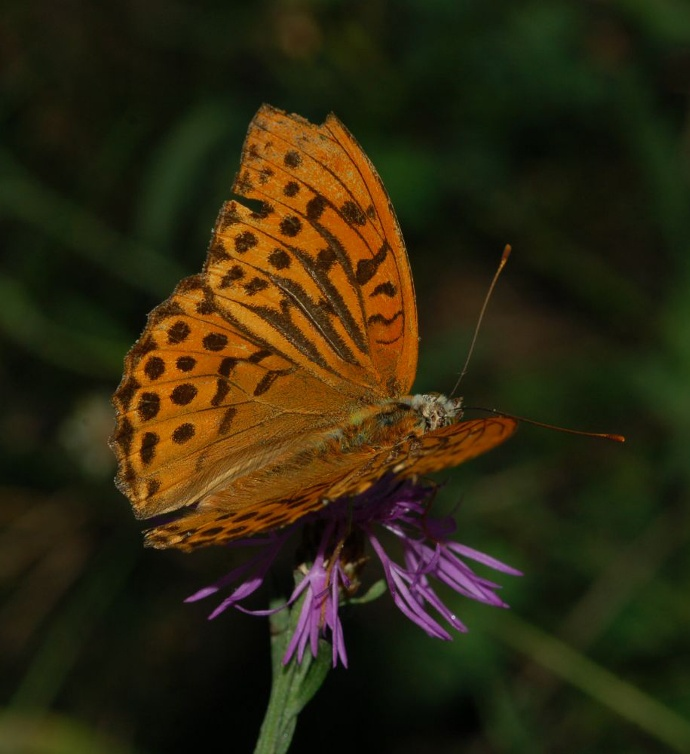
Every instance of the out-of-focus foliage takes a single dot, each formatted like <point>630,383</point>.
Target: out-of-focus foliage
<point>560,127</point>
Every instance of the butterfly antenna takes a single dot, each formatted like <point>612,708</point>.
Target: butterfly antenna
<point>599,435</point>
<point>501,265</point>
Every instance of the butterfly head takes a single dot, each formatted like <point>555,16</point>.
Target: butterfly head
<point>437,410</point>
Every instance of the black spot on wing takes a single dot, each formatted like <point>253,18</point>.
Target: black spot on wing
<point>183,433</point>
<point>125,393</point>
<point>292,159</point>
<point>214,341</point>
<point>222,389</point>
<point>186,363</point>
<point>315,208</point>
<point>379,319</point>
<point>258,356</point>
<point>279,259</point>
<point>255,285</point>
<point>183,394</point>
<point>227,366</point>
<point>367,268</point>
<point>154,368</point>
<point>178,333</point>
<point>234,274</point>
<point>291,226</point>
<point>352,214</point>
<point>384,289</point>
<point>147,449</point>
<point>226,422</point>
<point>152,486</point>
<point>149,405</point>
<point>245,241</point>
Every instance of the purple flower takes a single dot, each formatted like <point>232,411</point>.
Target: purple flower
<point>333,554</point>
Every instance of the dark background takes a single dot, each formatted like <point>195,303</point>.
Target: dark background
<point>559,127</point>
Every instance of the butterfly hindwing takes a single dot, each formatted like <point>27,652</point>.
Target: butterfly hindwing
<point>339,477</point>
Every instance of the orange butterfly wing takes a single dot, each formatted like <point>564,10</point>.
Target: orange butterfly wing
<point>305,308</point>
<point>323,202</point>
<point>339,476</point>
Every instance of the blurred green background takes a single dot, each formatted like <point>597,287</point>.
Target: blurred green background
<point>559,127</point>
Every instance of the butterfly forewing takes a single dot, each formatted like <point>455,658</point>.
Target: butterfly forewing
<point>200,404</point>
<point>273,342</point>
<point>330,224</point>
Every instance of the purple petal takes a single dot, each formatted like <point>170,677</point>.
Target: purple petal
<point>401,508</point>
<point>480,557</point>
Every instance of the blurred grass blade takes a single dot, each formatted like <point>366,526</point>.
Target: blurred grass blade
<point>623,698</point>
<point>178,165</point>
<point>24,733</point>
<point>23,197</point>
<point>73,350</point>
<point>54,659</point>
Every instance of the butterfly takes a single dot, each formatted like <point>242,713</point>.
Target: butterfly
<point>278,379</point>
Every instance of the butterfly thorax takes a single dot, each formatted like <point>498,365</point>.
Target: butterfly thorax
<point>435,409</point>
<point>393,421</point>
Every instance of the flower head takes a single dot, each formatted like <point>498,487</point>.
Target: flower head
<point>333,553</point>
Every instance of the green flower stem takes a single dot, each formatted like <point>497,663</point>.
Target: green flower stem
<point>294,684</point>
